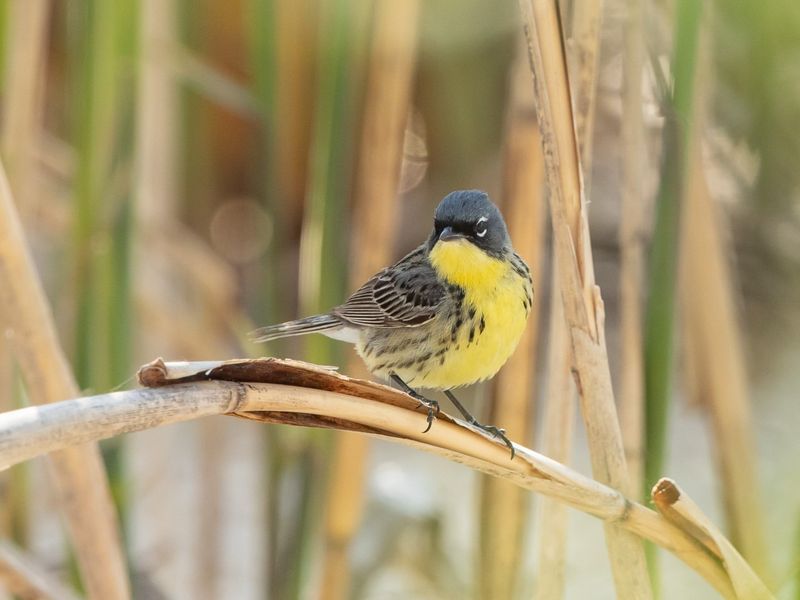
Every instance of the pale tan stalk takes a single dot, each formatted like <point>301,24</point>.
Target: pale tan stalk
<point>7,505</point>
<point>170,259</point>
<point>253,389</point>
<point>583,307</point>
<point>557,427</point>
<point>504,508</point>
<point>386,106</point>
<point>711,326</point>
<point>22,101</point>
<point>583,52</point>
<point>712,330</point>
<point>632,250</point>
<point>21,119</point>
<point>157,117</point>
<point>295,21</point>
<point>23,577</point>
<point>672,502</point>
<point>79,472</point>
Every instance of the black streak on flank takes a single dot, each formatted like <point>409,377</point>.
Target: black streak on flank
<point>482,325</point>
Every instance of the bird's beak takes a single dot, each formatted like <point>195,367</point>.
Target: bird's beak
<point>448,234</point>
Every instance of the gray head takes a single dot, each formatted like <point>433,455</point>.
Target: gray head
<point>470,215</point>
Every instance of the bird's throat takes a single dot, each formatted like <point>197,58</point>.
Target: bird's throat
<point>462,263</point>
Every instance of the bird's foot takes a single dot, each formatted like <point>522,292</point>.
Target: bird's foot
<point>496,432</point>
<point>431,405</point>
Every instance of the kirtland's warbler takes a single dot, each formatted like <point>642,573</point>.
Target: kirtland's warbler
<point>447,315</point>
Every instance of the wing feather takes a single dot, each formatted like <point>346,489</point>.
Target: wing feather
<point>403,295</point>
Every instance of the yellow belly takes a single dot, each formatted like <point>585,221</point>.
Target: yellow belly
<point>466,363</point>
<point>493,293</point>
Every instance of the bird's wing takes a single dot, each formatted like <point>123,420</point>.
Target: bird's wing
<point>403,295</point>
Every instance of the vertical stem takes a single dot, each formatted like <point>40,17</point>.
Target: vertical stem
<point>96,132</point>
<point>24,25</point>
<point>557,427</point>
<point>323,242</point>
<point>78,471</point>
<point>262,29</point>
<point>386,107</point>
<point>22,101</point>
<point>710,322</point>
<point>583,306</point>
<point>504,508</point>
<point>585,34</point>
<point>660,311</point>
<point>631,241</point>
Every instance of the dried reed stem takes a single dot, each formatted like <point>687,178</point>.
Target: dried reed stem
<point>295,29</point>
<point>559,416</point>
<point>712,328</point>
<point>23,577</point>
<point>79,473</point>
<point>7,504</point>
<point>23,85</point>
<point>632,251</point>
<point>251,389</point>
<point>584,52</point>
<point>583,306</point>
<point>156,117</point>
<point>386,106</point>
<point>672,502</point>
<point>504,508</point>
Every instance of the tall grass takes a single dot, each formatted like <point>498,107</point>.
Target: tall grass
<point>660,311</point>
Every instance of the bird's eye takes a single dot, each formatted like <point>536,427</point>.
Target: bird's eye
<point>480,227</point>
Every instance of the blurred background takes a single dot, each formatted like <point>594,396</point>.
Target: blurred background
<point>187,171</point>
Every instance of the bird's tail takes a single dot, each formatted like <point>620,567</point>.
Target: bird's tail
<point>315,324</point>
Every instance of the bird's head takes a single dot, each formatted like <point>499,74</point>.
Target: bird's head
<point>469,215</point>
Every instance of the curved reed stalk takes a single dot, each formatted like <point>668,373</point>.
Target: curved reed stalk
<point>281,391</point>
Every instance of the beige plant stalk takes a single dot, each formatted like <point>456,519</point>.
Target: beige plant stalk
<point>386,107</point>
<point>583,57</point>
<point>22,576</point>
<point>557,428</point>
<point>78,470</point>
<point>583,307</point>
<point>632,248</point>
<point>504,508</point>
<point>282,391</point>
<point>720,378</point>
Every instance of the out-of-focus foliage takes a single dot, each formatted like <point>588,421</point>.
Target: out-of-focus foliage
<point>258,200</point>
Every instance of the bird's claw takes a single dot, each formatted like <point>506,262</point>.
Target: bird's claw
<point>499,433</point>
<point>433,410</point>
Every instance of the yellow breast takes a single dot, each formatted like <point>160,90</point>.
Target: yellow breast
<point>494,310</point>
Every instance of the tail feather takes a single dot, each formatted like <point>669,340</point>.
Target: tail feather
<point>315,324</point>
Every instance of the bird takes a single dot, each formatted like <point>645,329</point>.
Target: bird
<point>447,315</point>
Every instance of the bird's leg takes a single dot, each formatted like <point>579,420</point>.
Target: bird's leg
<point>491,429</point>
<point>431,405</point>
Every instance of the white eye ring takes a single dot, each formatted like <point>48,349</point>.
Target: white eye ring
<point>482,232</point>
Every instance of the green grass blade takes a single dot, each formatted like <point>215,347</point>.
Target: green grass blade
<point>660,311</point>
